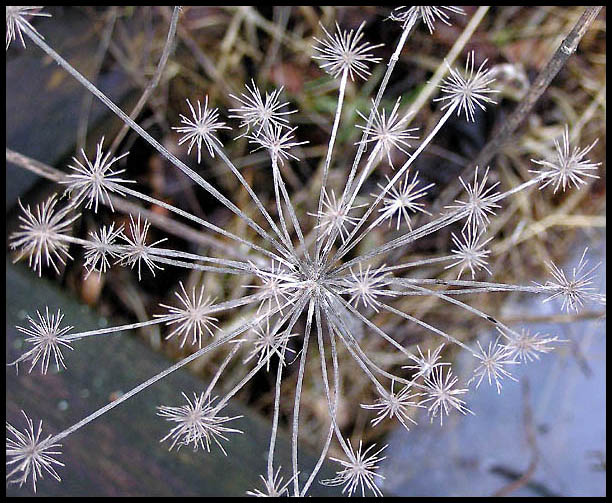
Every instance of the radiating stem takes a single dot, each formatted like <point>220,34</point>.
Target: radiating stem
<point>219,341</point>
<point>362,144</point>
<point>349,245</point>
<point>273,434</point>
<point>152,141</point>
<point>332,410</point>
<point>289,205</point>
<point>381,91</point>
<point>294,314</point>
<point>285,238</point>
<point>296,405</point>
<point>328,157</point>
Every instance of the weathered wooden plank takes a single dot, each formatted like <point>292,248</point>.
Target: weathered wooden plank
<point>119,454</point>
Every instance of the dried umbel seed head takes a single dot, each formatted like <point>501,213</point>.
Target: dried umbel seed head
<point>429,14</point>
<point>470,251</point>
<point>197,423</point>
<point>334,216</point>
<point>480,204</point>
<point>101,248</point>
<point>267,342</point>
<point>401,200</point>
<point>17,21</point>
<point>43,234</point>
<point>365,286</point>
<point>277,141</point>
<point>424,365</point>
<point>342,54</point>
<point>392,404</point>
<point>192,318</point>
<point>570,167</point>
<point>359,470</point>
<point>137,250</point>
<point>28,456</point>
<point>388,133</point>
<point>493,362</point>
<point>466,92</point>
<point>48,338</point>
<point>526,346</point>
<point>201,129</point>
<point>273,486</point>
<point>277,286</point>
<point>574,290</point>
<point>441,395</point>
<point>92,181</point>
<point>260,114</point>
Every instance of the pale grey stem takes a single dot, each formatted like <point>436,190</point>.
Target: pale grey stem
<point>212,346</point>
<point>418,263</point>
<point>277,197</point>
<point>161,65</point>
<point>365,172</point>
<point>482,285</point>
<point>289,205</point>
<point>467,291</point>
<point>381,90</point>
<point>170,226</point>
<point>294,313</point>
<point>273,434</point>
<point>234,303</point>
<point>336,367</point>
<point>328,157</point>
<point>409,237</point>
<point>433,226</point>
<point>349,245</point>
<point>152,141</point>
<point>332,409</point>
<point>439,74</point>
<point>194,267</point>
<point>421,323</point>
<point>356,352</point>
<point>296,404</point>
<point>362,144</point>
<point>166,252</point>
<point>264,212</point>
<point>354,348</point>
<point>465,306</point>
<point>333,235</point>
<point>373,326</point>
<point>202,222</point>
<point>120,328</point>
<point>222,367</point>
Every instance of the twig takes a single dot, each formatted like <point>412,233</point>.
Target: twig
<point>98,59</point>
<point>555,318</point>
<point>531,441</point>
<point>160,221</point>
<point>202,59</point>
<point>154,81</point>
